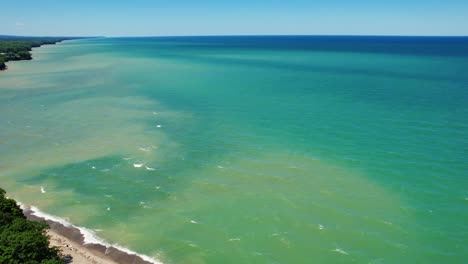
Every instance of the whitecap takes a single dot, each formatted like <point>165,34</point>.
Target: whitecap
<point>158,126</point>
<point>193,222</point>
<point>220,167</point>
<point>43,190</point>
<point>143,204</point>
<point>93,167</point>
<point>149,168</point>
<point>339,250</point>
<point>137,165</point>
<point>145,149</point>
<point>387,222</point>
<point>108,208</point>
<point>321,227</point>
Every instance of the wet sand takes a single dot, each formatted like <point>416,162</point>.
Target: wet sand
<point>71,242</point>
<point>80,254</point>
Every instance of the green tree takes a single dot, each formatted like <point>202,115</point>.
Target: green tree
<point>18,48</point>
<point>23,55</point>
<point>9,206</point>
<point>23,241</point>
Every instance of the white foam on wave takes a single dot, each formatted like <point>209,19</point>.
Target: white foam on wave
<point>21,205</point>
<point>158,126</point>
<point>145,149</point>
<point>42,190</point>
<point>144,257</point>
<point>36,212</point>
<point>138,165</point>
<point>149,168</point>
<point>321,227</point>
<point>387,222</point>
<point>339,250</point>
<point>89,235</point>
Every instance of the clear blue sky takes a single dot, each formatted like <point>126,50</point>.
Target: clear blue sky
<point>228,17</point>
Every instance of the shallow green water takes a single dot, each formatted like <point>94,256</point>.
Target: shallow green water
<point>247,150</point>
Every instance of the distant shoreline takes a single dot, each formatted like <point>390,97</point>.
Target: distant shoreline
<point>19,48</point>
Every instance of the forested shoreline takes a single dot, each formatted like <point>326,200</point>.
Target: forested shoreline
<point>13,48</point>
<point>22,240</point>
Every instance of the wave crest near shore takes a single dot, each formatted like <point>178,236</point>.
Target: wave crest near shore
<point>89,236</point>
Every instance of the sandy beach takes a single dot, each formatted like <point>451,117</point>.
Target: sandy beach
<point>80,253</point>
<point>70,241</point>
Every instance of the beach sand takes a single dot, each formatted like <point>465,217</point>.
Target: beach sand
<point>80,253</point>
<point>71,242</point>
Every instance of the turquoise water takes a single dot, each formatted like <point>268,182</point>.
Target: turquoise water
<point>247,149</point>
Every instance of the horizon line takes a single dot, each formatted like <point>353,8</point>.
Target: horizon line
<point>237,35</point>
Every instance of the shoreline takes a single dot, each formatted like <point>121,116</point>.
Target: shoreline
<point>82,244</point>
<point>5,64</point>
<point>32,45</point>
<point>79,253</point>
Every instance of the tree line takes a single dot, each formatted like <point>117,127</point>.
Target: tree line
<point>23,241</point>
<point>19,48</point>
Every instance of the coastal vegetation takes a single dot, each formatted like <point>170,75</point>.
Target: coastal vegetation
<point>21,240</point>
<point>19,48</point>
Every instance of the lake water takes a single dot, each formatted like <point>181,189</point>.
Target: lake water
<point>247,149</point>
